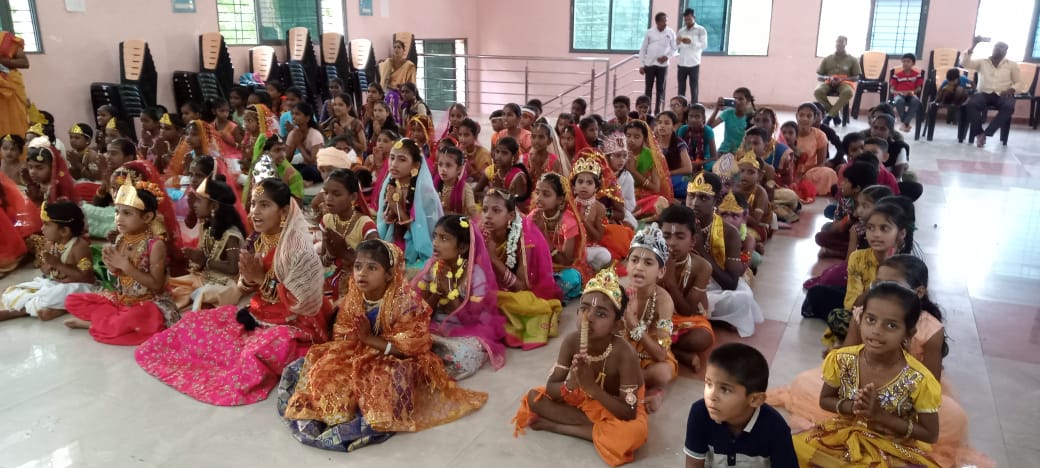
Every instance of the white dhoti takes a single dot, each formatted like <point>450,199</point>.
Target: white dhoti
<point>736,307</point>
<point>597,256</point>
<point>40,293</point>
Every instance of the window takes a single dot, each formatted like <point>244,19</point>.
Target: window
<point>609,25</point>
<point>266,21</point>
<point>735,27</point>
<point>1007,21</point>
<point>441,80</point>
<point>895,27</point>
<point>19,16</point>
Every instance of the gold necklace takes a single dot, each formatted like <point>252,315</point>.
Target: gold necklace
<point>687,266</point>
<point>266,242</point>
<point>130,239</point>
<point>338,223</point>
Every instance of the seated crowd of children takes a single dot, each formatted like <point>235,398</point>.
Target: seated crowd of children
<point>425,256</point>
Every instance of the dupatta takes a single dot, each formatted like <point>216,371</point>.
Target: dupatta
<point>24,216</point>
<point>568,207</point>
<point>297,266</point>
<point>62,185</point>
<point>537,261</point>
<point>426,210</point>
<point>660,165</point>
<point>478,314</point>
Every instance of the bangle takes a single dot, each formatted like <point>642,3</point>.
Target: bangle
<point>909,428</point>
<point>837,406</point>
<point>387,350</point>
<point>637,333</point>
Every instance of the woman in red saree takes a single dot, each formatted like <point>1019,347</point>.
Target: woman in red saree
<point>227,356</point>
<point>14,119</point>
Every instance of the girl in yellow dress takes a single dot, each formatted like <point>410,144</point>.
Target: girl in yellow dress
<point>887,402</point>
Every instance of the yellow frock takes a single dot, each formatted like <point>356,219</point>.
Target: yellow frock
<point>844,442</point>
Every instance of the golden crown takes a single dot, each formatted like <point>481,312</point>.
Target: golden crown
<point>698,185</point>
<point>111,123</point>
<point>729,205</point>
<point>36,128</point>
<point>606,282</point>
<point>165,119</point>
<point>614,143</point>
<point>588,163</point>
<point>77,130</point>
<point>47,219</point>
<point>749,158</point>
<point>8,137</point>
<point>201,191</point>
<point>127,194</point>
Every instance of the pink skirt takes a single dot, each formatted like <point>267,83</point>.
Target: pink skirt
<point>114,323</point>
<point>211,357</point>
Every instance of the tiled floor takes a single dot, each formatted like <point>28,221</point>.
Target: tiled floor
<point>68,401</point>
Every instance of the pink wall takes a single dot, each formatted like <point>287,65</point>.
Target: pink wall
<point>58,80</point>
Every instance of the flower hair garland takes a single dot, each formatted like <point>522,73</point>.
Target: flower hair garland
<point>513,241</point>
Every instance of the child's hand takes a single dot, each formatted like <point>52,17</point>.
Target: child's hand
<point>50,260</point>
<point>583,374</point>
<point>116,257</point>
<point>865,403</point>
<point>335,244</point>
<point>195,256</point>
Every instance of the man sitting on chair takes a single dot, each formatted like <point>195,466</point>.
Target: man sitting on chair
<point>998,78</point>
<point>838,72</point>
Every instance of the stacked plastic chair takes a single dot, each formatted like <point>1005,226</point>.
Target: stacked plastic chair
<point>363,68</point>
<point>302,68</point>
<point>264,63</point>
<point>335,60</point>
<point>138,78</point>
<point>215,67</point>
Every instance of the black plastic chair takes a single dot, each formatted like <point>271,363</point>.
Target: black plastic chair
<point>873,67</point>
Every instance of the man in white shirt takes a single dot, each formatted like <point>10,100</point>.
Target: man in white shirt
<point>693,38</point>
<point>998,79</point>
<point>658,46</point>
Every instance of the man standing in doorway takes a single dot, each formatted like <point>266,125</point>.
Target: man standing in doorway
<point>658,46</point>
<point>693,38</point>
<point>998,78</point>
<point>838,73</point>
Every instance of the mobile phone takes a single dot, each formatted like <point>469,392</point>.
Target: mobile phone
<point>729,102</point>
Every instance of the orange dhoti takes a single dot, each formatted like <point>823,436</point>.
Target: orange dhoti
<point>616,440</point>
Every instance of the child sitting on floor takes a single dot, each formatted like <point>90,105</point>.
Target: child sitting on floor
<point>212,280</point>
<point>586,182</point>
<point>345,224</point>
<point>733,422</point>
<point>833,239</point>
<point>605,407</point>
<point>507,173</point>
<point>66,267</point>
<point>140,306</point>
<point>734,211</point>
<point>557,217</point>
<point>686,279</point>
<point>648,318</point>
<point>456,195</point>
<point>84,162</point>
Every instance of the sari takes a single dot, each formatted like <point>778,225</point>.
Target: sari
<point>536,173</point>
<point>19,219</point>
<point>532,315</point>
<point>424,211</point>
<point>14,117</point>
<point>132,313</point>
<point>62,185</point>
<point>569,278</point>
<point>843,441</point>
<point>651,161</point>
<point>268,123</point>
<point>801,400</point>
<point>344,384</point>
<point>212,357</point>
<point>457,198</point>
<point>429,149</point>
<point>472,333</point>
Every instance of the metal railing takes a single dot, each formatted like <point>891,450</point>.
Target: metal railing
<point>490,81</point>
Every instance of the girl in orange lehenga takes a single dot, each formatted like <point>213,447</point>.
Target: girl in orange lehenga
<point>378,375</point>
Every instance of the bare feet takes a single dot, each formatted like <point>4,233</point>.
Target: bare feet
<point>654,400</point>
<point>50,314</point>
<point>980,140</point>
<point>75,323</point>
<point>11,314</point>
<point>539,424</point>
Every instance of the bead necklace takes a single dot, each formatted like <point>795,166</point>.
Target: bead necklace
<point>338,224</point>
<point>586,205</point>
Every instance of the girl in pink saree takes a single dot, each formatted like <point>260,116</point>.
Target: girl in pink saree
<point>528,295</point>
<point>459,284</point>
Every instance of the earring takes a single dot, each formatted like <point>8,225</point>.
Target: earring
<point>415,172</point>
<point>282,224</point>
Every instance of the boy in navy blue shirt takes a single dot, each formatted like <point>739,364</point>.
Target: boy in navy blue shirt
<point>732,425</point>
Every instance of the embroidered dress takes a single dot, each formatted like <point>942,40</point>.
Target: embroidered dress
<point>345,385</point>
<point>132,313</point>
<point>353,231</point>
<point>47,291</point>
<point>211,357</point>
<point>842,441</point>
